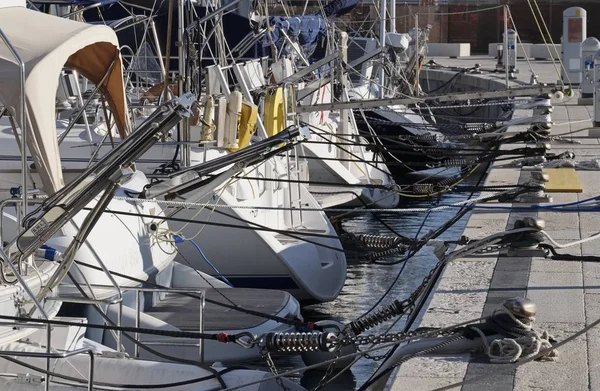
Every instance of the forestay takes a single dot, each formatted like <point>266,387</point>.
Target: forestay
<point>46,44</point>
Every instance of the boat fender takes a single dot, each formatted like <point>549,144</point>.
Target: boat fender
<point>208,127</point>
<point>274,111</point>
<point>248,119</point>
<point>232,119</point>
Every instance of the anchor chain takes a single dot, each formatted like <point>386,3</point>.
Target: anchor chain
<point>493,248</point>
<point>396,337</point>
<point>325,379</point>
<point>330,342</point>
<point>265,355</point>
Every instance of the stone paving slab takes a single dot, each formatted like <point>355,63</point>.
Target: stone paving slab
<point>567,293</point>
<point>570,372</point>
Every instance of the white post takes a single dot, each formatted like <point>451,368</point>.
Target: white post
<point>596,132</point>
<point>382,30</point>
<point>574,33</point>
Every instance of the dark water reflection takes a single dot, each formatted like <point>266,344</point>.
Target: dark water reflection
<point>365,284</point>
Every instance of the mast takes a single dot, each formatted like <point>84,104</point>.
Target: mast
<point>382,30</point>
<point>392,16</point>
<point>184,126</point>
<point>506,44</point>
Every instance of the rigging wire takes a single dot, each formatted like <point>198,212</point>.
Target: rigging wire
<point>462,212</point>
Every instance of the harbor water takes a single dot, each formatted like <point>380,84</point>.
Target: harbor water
<point>367,283</point>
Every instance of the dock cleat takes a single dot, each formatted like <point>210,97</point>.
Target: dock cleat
<point>526,244</point>
<point>538,179</point>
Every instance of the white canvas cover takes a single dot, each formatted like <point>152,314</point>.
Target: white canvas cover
<point>47,44</point>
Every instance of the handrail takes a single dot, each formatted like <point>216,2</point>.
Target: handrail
<point>22,123</point>
<point>138,290</point>
<point>71,353</point>
<point>85,104</point>
<point>5,259</point>
<point>200,344</point>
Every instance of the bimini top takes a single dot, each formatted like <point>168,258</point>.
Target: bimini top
<point>46,44</point>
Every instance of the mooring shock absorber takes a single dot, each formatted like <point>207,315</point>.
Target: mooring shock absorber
<point>396,308</point>
<point>379,241</point>
<point>300,342</point>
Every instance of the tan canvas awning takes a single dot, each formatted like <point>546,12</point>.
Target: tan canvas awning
<point>47,44</point>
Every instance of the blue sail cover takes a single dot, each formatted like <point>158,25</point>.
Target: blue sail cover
<point>308,31</point>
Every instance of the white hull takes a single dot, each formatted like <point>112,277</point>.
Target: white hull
<point>309,271</point>
<point>356,165</point>
<point>257,258</point>
<point>124,371</point>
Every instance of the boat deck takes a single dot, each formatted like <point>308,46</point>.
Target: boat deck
<point>184,312</point>
<point>331,196</point>
<point>567,293</point>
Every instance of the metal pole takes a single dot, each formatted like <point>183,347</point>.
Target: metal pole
<point>506,44</point>
<point>80,99</point>
<point>158,51</point>
<point>120,323</point>
<point>136,348</point>
<point>26,287</point>
<point>218,12</point>
<point>382,14</point>
<point>417,54</point>
<point>201,324</point>
<point>22,123</point>
<point>184,126</point>
<point>392,16</point>
<point>48,343</point>
<point>91,371</point>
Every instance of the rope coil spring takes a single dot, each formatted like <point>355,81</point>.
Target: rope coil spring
<point>396,308</point>
<point>373,256</point>
<point>379,241</point>
<point>300,342</point>
<point>455,162</point>
<point>422,188</point>
<point>389,246</point>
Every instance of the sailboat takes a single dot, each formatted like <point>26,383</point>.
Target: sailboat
<point>292,249</point>
<point>106,266</point>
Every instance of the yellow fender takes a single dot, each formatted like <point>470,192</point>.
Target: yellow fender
<point>247,125</point>
<point>274,118</point>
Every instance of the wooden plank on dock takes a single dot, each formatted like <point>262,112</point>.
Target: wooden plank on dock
<point>563,180</point>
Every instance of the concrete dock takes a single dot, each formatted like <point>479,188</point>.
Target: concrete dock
<point>567,293</point>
